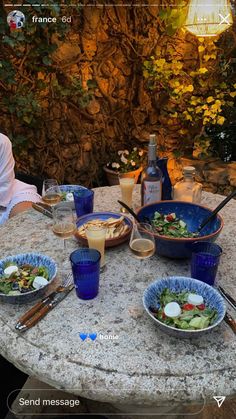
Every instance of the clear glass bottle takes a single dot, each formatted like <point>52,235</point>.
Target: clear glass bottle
<point>188,189</point>
<point>151,181</point>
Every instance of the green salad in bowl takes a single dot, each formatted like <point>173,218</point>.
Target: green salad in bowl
<point>184,310</point>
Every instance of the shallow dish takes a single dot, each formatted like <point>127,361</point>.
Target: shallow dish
<point>70,188</point>
<point>35,259</point>
<point>104,216</point>
<point>211,296</point>
<point>192,214</point>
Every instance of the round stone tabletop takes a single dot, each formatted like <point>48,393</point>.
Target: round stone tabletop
<point>131,360</point>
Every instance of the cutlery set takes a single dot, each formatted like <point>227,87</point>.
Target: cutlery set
<point>40,309</point>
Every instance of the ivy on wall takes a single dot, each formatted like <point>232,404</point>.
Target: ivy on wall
<point>199,94</point>
<point>30,80</point>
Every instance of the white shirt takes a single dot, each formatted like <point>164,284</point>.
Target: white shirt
<point>12,191</point>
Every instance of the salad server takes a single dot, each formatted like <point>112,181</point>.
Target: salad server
<point>40,309</point>
<point>228,297</point>
<point>216,210</point>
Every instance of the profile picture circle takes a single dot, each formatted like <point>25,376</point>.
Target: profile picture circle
<point>16,19</point>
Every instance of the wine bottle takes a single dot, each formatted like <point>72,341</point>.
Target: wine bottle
<point>151,182</point>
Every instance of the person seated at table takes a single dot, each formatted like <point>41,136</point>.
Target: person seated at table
<point>15,196</point>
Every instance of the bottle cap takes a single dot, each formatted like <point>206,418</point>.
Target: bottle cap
<point>152,139</point>
<point>189,170</point>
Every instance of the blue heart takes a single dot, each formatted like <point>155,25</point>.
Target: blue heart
<point>83,336</point>
<point>93,336</point>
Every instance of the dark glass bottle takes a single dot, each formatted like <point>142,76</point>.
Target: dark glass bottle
<point>166,182</point>
<point>151,182</point>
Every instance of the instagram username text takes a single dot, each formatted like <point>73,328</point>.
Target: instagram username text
<point>49,19</point>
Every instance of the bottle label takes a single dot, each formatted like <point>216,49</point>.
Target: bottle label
<point>151,192</point>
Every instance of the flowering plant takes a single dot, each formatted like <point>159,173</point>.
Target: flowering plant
<point>126,161</point>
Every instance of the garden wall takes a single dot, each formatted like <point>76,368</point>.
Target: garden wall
<point>58,132</point>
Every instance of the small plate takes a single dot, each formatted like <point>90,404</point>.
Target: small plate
<point>104,216</point>
<point>70,188</point>
<point>35,259</point>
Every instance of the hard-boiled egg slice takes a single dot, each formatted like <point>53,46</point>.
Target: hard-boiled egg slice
<point>39,282</point>
<point>10,270</point>
<point>69,196</point>
<point>195,299</point>
<point>172,309</point>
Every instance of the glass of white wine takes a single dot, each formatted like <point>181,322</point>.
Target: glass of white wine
<point>51,193</point>
<point>64,227</point>
<point>142,243</point>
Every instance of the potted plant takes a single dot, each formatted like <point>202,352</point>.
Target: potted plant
<point>124,161</point>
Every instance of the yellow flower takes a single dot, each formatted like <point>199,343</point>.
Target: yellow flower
<point>202,70</point>
<point>220,120</point>
<point>160,63</point>
<point>232,94</point>
<point>210,99</point>
<point>234,85</point>
<point>174,115</point>
<point>201,48</point>
<point>189,88</point>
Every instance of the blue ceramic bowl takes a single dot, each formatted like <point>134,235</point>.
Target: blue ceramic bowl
<point>192,215</point>
<point>211,297</point>
<point>35,259</point>
<point>71,188</point>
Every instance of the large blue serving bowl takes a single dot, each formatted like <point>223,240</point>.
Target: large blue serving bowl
<point>193,215</point>
<point>34,259</point>
<point>211,297</point>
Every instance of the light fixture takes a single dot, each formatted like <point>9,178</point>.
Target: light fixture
<point>208,17</point>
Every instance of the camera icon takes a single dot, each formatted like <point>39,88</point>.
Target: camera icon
<point>16,19</point>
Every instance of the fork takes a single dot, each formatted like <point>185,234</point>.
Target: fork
<point>66,283</point>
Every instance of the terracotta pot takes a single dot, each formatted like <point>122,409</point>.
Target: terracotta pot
<point>113,176</point>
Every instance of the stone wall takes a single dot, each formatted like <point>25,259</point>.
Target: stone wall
<point>216,176</point>
<point>107,45</point>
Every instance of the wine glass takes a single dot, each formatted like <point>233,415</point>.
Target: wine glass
<point>142,243</point>
<point>63,225</point>
<point>51,193</point>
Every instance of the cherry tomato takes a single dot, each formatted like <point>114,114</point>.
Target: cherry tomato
<point>188,307</point>
<point>169,217</point>
<point>163,315</point>
<point>201,307</point>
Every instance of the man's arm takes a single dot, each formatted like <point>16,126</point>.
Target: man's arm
<point>7,174</point>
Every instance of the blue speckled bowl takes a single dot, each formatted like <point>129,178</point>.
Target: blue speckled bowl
<point>35,259</point>
<point>71,188</point>
<point>211,297</point>
<point>193,215</point>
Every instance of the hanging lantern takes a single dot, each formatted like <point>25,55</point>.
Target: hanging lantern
<point>209,19</point>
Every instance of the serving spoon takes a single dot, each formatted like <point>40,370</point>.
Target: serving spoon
<point>130,211</point>
<point>216,210</point>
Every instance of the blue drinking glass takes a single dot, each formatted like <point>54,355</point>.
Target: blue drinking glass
<point>83,201</point>
<point>85,265</point>
<point>205,261</point>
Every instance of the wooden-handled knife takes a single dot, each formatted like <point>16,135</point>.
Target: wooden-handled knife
<point>39,310</point>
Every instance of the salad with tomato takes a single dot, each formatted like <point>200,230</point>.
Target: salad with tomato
<point>170,225</point>
<point>22,278</point>
<point>185,310</point>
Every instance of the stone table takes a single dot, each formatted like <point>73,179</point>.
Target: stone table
<point>131,361</point>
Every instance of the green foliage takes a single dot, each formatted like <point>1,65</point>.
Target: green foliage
<point>174,17</point>
<point>28,73</point>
